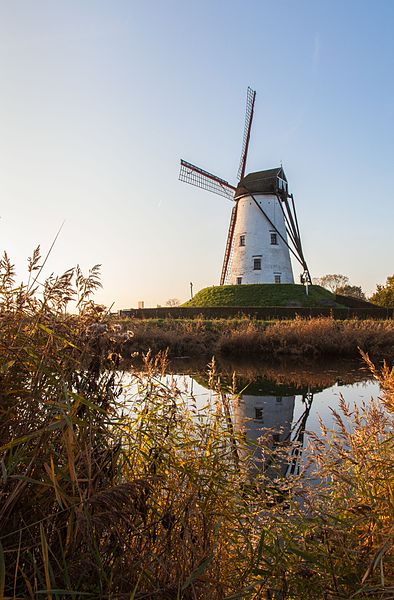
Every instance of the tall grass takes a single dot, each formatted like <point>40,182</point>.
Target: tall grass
<point>117,490</point>
<point>314,338</point>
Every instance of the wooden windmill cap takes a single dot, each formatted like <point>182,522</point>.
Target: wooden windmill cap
<point>261,182</point>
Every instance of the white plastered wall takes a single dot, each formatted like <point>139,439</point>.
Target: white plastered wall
<point>251,223</point>
<point>258,416</point>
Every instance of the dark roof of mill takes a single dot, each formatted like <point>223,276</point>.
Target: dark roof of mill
<point>261,182</point>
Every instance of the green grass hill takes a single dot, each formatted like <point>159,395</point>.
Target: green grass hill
<point>266,294</point>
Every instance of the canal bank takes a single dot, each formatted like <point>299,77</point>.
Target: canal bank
<point>313,338</point>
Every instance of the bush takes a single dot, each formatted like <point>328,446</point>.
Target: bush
<point>384,295</point>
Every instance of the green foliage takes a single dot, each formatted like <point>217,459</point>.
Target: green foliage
<point>339,284</point>
<point>262,295</point>
<point>354,291</point>
<point>384,295</point>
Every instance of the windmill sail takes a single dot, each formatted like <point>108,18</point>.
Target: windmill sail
<point>294,233</point>
<point>202,179</point>
<point>257,249</point>
<point>250,98</point>
<point>229,246</point>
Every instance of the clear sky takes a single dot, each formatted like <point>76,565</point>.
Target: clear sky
<point>99,100</point>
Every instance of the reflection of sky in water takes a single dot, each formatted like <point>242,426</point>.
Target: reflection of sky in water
<point>280,412</point>
<point>323,401</point>
<point>287,416</point>
<point>329,398</point>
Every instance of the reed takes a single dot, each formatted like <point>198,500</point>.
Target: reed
<point>116,486</point>
<point>313,338</point>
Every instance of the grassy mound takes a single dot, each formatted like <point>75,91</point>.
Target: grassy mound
<point>266,294</point>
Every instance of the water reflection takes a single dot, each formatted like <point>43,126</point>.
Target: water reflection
<point>268,424</point>
<point>277,406</point>
<point>258,415</point>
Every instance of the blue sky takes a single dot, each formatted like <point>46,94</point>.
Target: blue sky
<point>99,101</point>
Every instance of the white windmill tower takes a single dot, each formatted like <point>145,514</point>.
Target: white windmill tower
<point>263,227</point>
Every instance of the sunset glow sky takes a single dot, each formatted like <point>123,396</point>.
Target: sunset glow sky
<point>99,100</point>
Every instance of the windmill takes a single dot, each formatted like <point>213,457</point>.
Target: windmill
<point>263,229</point>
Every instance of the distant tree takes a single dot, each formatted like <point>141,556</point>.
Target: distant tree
<point>354,291</point>
<point>173,302</point>
<point>333,282</point>
<point>384,295</point>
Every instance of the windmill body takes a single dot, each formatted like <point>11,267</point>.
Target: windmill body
<point>258,252</point>
<point>266,422</point>
<point>263,229</point>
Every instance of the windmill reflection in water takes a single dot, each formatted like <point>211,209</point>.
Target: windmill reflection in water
<point>264,412</point>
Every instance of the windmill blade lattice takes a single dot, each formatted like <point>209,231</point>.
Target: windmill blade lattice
<point>250,98</point>
<point>229,247</point>
<point>202,179</point>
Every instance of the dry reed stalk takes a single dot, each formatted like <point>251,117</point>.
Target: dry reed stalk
<point>113,494</point>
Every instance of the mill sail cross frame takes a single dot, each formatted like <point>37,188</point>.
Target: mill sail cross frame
<point>272,182</point>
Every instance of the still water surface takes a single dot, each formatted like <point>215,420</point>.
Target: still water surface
<point>287,400</point>
<point>273,388</point>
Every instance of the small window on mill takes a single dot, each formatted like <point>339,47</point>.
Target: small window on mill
<point>274,239</point>
<point>277,278</point>
<point>242,240</point>
<point>258,414</point>
<point>257,264</point>
<point>239,280</point>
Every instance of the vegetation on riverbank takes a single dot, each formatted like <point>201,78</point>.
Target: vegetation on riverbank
<point>310,338</point>
<point>264,294</point>
<point>384,295</point>
<point>118,487</point>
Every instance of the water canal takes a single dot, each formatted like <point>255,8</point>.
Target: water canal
<point>277,405</point>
